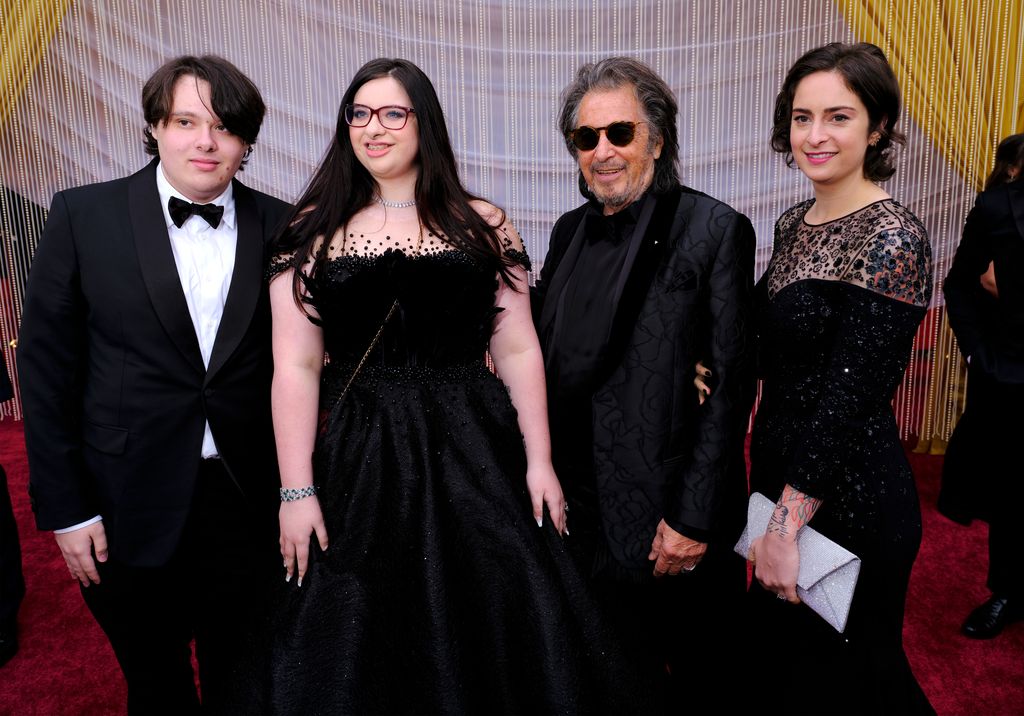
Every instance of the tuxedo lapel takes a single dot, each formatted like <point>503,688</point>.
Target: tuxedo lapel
<point>246,280</point>
<point>566,264</point>
<point>156,260</point>
<point>637,240</point>
<point>641,274</point>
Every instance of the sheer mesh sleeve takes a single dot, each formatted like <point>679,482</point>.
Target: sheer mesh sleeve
<point>278,264</point>
<point>512,245</point>
<point>895,261</point>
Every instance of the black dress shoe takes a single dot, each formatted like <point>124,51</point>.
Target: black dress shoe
<point>991,617</point>
<point>8,644</point>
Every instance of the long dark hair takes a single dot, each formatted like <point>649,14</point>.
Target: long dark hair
<point>867,73</point>
<point>1009,154</point>
<point>341,186</point>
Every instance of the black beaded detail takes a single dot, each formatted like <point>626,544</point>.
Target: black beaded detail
<point>353,256</point>
<point>353,263</point>
<point>520,257</point>
<point>279,263</point>
<point>452,373</point>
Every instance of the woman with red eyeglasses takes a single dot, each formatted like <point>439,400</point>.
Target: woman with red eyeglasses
<point>421,520</point>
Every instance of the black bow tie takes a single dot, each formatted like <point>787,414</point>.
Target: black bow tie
<point>180,211</point>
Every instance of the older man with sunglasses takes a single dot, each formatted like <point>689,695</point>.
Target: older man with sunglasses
<point>639,283</point>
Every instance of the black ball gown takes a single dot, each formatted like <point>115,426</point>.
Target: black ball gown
<point>438,592</point>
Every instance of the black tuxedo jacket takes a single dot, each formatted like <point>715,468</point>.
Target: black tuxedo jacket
<point>113,384</point>
<point>990,330</point>
<point>656,452</point>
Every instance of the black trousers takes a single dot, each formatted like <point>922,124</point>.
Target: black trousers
<point>982,477</point>
<point>12,581</point>
<point>684,632</point>
<point>1005,425</point>
<point>208,591</point>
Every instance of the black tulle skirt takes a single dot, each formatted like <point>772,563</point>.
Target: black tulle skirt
<point>438,593</point>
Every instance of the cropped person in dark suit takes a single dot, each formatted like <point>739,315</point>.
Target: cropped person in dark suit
<point>145,373</point>
<point>985,302</point>
<point>638,283</point>
<point>12,581</point>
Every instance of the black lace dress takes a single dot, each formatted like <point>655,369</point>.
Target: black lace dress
<point>838,309</point>
<point>438,592</point>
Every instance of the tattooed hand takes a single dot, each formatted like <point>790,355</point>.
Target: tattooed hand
<point>776,557</point>
<point>776,565</point>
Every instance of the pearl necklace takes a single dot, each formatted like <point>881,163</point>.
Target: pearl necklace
<point>395,204</point>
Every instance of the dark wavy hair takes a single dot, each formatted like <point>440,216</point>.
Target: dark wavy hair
<point>867,74</point>
<point>341,186</point>
<point>236,100</point>
<point>655,98</point>
<point>1009,154</point>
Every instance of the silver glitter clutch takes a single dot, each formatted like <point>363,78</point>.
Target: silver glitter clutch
<point>828,572</point>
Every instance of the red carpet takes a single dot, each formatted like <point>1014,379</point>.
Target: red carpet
<point>962,677</point>
<point>65,665</point>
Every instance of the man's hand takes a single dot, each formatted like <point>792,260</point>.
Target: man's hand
<point>78,548</point>
<point>673,552</point>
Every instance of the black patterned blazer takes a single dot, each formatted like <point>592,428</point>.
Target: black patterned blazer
<point>657,453</point>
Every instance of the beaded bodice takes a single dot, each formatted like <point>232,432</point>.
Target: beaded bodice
<point>446,299</point>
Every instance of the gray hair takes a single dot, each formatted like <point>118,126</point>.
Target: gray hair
<point>655,98</point>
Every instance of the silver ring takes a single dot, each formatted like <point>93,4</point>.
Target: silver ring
<point>780,595</point>
<point>690,568</point>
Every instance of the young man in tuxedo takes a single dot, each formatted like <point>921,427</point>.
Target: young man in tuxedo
<point>638,284</point>
<point>145,370</point>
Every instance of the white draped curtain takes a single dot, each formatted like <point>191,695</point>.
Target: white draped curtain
<point>498,68</point>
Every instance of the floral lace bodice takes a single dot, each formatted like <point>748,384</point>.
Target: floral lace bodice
<point>881,247</point>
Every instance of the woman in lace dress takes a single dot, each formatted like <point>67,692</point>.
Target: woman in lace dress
<point>422,542</point>
<point>847,285</point>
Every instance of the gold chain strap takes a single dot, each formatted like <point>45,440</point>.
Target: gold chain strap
<point>369,350</point>
<point>391,311</point>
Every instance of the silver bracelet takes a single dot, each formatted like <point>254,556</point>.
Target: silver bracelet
<point>290,494</point>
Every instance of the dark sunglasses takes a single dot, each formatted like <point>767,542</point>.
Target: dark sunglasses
<point>619,133</point>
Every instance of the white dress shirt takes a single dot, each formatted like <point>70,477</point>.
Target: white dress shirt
<point>205,258</point>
